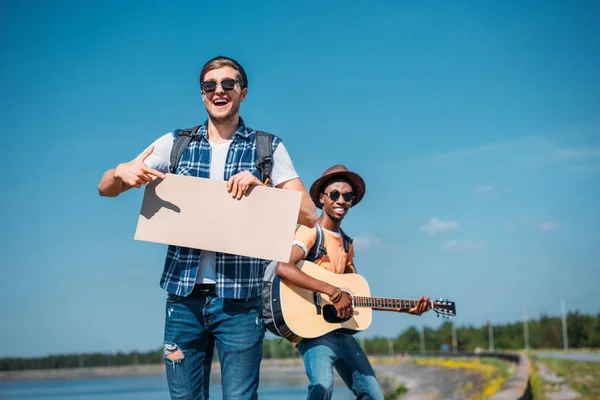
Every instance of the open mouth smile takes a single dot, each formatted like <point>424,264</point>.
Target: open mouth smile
<point>220,102</point>
<point>340,210</point>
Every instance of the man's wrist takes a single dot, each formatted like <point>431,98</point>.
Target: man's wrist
<point>117,172</point>
<point>337,295</point>
<point>330,290</point>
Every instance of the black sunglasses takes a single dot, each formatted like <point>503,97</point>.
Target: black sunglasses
<point>335,194</point>
<point>228,85</point>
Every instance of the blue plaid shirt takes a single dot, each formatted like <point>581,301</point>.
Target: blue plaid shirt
<point>237,277</point>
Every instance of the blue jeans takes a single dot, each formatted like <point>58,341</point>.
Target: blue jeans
<point>194,325</point>
<point>342,351</point>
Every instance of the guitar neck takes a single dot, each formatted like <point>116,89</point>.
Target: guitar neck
<point>383,302</point>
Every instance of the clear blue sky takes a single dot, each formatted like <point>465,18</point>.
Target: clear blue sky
<point>476,126</point>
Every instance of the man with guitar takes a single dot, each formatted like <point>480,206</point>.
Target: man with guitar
<point>335,192</point>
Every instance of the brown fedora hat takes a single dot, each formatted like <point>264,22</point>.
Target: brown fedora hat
<point>338,171</point>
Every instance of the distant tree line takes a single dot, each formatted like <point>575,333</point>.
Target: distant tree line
<point>583,331</point>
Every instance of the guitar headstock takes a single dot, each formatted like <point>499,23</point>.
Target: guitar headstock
<point>444,308</point>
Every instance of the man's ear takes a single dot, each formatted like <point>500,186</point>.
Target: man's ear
<point>321,199</point>
<point>243,94</point>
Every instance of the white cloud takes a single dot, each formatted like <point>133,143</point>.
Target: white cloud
<point>567,149</point>
<point>468,244</point>
<point>484,188</point>
<point>435,225</point>
<point>549,226</point>
<point>367,242</point>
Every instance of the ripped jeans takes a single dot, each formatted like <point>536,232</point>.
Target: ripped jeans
<point>194,325</point>
<point>342,351</point>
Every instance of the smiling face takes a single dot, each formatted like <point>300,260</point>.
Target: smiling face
<point>223,105</point>
<point>338,208</point>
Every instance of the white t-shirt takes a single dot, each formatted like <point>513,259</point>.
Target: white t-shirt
<point>283,171</point>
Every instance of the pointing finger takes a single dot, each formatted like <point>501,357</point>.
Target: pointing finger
<point>152,171</point>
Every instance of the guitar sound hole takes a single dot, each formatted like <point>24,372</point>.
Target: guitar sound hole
<point>330,315</point>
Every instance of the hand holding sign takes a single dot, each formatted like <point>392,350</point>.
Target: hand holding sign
<point>239,183</point>
<point>135,173</point>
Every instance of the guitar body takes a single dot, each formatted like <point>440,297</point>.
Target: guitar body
<point>300,313</point>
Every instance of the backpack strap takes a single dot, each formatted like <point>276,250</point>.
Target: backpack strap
<point>317,250</point>
<point>347,240</point>
<point>264,161</point>
<point>182,140</point>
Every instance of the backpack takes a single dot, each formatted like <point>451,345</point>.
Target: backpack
<point>264,148</point>
<point>271,312</point>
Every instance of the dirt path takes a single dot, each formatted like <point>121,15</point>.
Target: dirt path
<point>561,391</point>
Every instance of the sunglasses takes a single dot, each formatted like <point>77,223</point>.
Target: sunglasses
<point>335,194</point>
<point>228,85</point>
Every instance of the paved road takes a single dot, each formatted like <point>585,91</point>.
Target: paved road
<point>574,355</point>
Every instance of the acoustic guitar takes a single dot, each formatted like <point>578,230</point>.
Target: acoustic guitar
<point>300,313</point>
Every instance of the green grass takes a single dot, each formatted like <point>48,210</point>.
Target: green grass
<point>583,377</point>
<point>400,390</point>
<point>504,368</point>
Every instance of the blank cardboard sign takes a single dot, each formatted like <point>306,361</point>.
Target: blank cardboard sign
<point>200,213</point>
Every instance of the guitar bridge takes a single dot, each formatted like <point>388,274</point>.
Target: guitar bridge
<point>317,300</point>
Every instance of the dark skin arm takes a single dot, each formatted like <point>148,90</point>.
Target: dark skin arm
<point>291,273</point>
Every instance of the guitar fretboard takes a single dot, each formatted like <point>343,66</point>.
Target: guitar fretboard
<point>383,302</point>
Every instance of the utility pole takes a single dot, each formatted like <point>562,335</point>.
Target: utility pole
<point>491,335</point>
<point>564,325</point>
<point>422,337</point>
<point>526,330</point>
<point>454,338</point>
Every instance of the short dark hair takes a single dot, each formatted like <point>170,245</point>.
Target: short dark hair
<point>222,61</point>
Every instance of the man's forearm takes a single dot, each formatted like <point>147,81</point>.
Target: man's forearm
<point>308,212</point>
<point>307,215</point>
<point>110,185</point>
<point>291,273</point>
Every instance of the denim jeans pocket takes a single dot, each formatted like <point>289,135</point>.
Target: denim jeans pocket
<point>173,298</point>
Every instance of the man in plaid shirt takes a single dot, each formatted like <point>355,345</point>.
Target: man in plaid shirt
<point>213,298</point>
